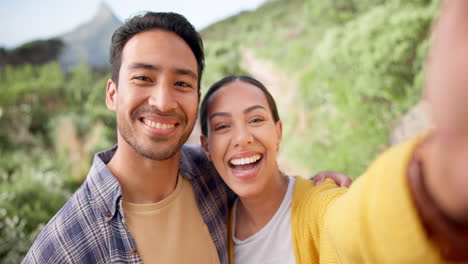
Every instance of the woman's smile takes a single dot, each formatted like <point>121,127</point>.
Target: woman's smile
<point>245,166</point>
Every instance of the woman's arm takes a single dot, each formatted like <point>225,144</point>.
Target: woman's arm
<point>411,206</point>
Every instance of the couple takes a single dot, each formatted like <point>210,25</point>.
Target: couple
<point>150,192</point>
<point>149,198</point>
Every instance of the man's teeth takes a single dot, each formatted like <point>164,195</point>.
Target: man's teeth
<point>247,160</point>
<point>157,124</point>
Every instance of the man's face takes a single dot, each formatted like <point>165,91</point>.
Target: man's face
<point>157,95</point>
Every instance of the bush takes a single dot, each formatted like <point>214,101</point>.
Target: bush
<point>33,187</point>
<point>39,168</point>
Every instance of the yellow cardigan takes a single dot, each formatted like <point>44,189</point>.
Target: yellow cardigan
<point>373,222</point>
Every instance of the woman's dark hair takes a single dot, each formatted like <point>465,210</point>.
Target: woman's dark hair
<point>226,80</point>
<point>171,22</point>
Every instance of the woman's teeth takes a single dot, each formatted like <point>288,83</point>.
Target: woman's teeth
<point>244,161</point>
<point>157,124</point>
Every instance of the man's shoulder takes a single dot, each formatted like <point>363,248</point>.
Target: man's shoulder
<point>207,183</point>
<point>194,162</point>
<point>73,230</point>
<point>194,152</point>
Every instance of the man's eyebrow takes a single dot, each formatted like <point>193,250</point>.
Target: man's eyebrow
<point>146,66</point>
<point>187,72</point>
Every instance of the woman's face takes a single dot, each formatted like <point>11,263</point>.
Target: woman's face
<point>243,138</point>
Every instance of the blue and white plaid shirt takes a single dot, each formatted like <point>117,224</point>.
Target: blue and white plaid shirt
<point>90,228</point>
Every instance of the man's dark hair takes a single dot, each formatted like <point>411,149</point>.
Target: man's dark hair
<point>170,22</point>
<point>229,79</point>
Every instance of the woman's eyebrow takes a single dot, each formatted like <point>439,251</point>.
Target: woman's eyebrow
<point>219,114</point>
<point>253,107</point>
<point>247,110</point>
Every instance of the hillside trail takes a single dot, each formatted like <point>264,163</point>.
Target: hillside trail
<point>283,88</point>
<point>415,122</point>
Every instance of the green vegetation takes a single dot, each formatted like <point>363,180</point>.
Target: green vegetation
<point>354,68</point>
<point>34,52</point>
<point>51,123</point>
<point>357,65</point>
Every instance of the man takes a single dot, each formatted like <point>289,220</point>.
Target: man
<point>157,63</point>
<point>149,198</point>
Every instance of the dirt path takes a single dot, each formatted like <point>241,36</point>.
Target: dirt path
<point>283,88</point>
<point>268,74</point>
<point>416,121</point>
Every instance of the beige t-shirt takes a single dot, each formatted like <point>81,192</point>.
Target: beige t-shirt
<point>172,230</point>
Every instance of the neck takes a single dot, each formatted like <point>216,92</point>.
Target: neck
<point>143,180</point>
<point>253,213</point>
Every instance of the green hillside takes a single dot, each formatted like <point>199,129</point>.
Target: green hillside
<point>343,72</point>
<point>355,67</point>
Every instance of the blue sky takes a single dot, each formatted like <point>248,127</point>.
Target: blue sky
<point>25,20</point>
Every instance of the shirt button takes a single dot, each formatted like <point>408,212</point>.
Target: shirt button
<point>134,252</point>
<point>108,214</point>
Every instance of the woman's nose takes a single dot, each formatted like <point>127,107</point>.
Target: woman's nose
<point>242,137</point>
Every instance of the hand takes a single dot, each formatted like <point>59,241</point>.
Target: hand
<point>339,178</point>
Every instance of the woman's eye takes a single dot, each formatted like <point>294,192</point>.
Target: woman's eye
<point>256,120</point>
<point>220,127</point>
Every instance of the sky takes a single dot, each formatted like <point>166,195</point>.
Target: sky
<point>25,20</point>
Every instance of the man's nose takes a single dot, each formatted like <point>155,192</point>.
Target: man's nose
<point>162,97</point>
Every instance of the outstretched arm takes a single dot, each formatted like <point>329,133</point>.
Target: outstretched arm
<point>444,157</point>
<point>411,206</point>
<point>441,186</point>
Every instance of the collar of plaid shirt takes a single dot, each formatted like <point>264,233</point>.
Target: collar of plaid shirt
<point>91,225</point>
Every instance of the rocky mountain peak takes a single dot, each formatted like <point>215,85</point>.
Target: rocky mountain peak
<point>90,42</point>
<point>104,13</point>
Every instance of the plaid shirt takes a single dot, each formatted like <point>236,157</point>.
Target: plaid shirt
<point>90,228</point>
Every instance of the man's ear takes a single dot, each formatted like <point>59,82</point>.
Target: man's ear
<point>204,143</point>
<point>111,95</point>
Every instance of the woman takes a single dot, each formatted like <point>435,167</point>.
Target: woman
<point>242,133</point>
<point>282,219</point>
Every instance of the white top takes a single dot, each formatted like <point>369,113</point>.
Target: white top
<point>272,244</point>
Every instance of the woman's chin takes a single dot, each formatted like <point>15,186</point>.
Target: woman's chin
<point>245,192</point>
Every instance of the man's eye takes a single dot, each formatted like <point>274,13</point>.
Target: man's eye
<point>183,84</point>
<point>142,78</point>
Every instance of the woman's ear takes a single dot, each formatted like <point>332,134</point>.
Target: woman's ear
<point>204,143</point>
<point>279,132</point>
<point>111,95</point>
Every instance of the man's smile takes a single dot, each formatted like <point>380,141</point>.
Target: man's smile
<point>160,126</point>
